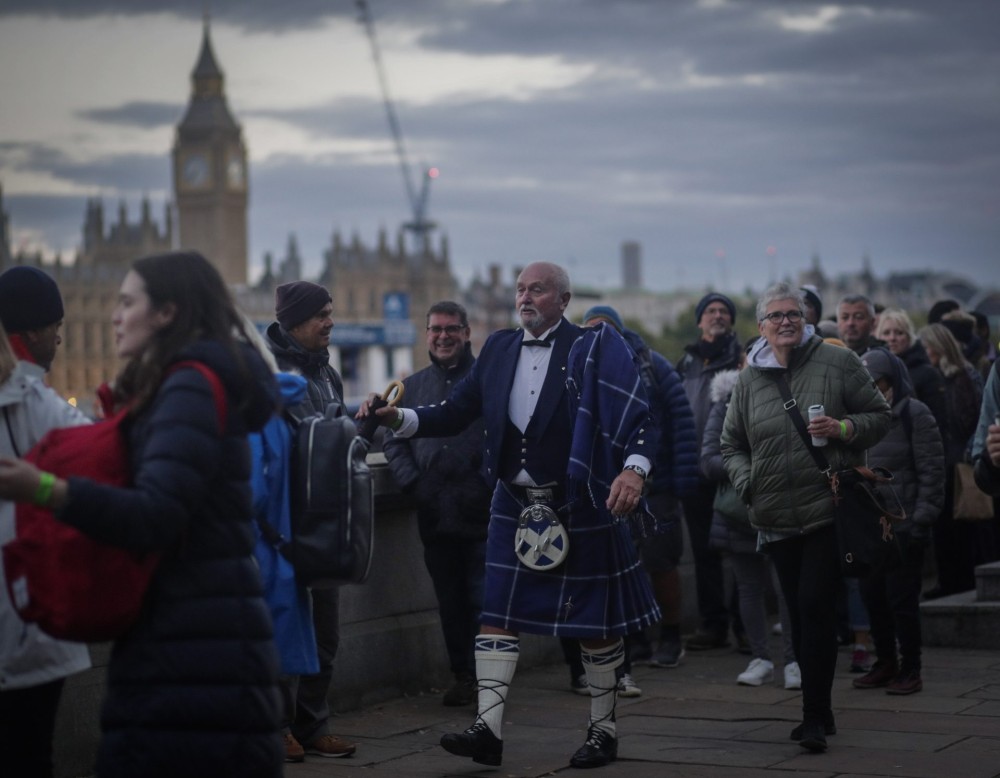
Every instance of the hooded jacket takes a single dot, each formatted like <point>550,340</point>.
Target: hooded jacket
<point>290,603</point>
<point>926,380</point>
<point>697,373</point>
<point>191,687</point>
<point>325,385</point>
<point>913,452</point>
<point>987,475</point>
<point>29,409</point>
<point>763,452</point>
<point>731,529</point>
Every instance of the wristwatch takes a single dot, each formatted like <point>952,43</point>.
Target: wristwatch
<point>637,470</point>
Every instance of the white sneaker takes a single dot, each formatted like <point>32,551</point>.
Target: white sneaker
<point>758,671</point>
<point>627,687</point>
<point>793,676</point>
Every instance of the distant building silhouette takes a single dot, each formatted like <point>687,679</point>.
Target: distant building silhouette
<point>631,265</point>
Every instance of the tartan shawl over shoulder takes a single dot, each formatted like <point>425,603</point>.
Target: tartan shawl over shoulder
<point>610,412</point>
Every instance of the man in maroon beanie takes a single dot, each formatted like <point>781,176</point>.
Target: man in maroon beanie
<point>300,340</point>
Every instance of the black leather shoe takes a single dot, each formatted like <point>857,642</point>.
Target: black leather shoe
<point>476,742</point>
<point>829,728</point>
<point>813,736</point>
<point>704,640</point>
<point>600,749</point>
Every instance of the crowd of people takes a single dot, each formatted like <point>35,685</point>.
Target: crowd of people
<point>553,477</point>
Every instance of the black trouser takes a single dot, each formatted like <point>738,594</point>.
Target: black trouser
<point>305,698</point>
<point>808,570</point>
<point>708,576</point>
<point>458,569</point>
<point>892,596</point>
<point>27,723</point>
<point>956,544</point>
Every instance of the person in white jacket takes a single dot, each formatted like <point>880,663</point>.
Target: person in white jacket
<point>33,666</point>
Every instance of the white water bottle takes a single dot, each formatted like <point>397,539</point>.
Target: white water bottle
<point>814,411</point>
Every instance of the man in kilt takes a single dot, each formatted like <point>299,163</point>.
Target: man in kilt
<point>568,443</point>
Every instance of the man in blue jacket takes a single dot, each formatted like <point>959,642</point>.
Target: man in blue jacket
<point>568,443</point>
<point>717,349</point>
<point>675,476</point>
<point>452,497</point>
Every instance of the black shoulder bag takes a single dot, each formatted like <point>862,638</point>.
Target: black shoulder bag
<point>865,505</point>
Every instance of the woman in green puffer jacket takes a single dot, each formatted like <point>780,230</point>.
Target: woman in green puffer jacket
<point>774,473</point>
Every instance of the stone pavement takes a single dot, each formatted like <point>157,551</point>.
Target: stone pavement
<point>696,721</point>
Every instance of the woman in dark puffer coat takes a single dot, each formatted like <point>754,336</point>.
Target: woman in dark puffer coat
<point>191,686</point>
<point>912,451</point>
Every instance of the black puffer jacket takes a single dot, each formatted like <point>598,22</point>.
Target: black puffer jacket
<point>927,381</point>
<point>453,498</point>
<point>191,687</point>
<point>912,450</point>
<point>697,368</point>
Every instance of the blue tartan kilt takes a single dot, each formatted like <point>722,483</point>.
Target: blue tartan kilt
<point>599,591</point>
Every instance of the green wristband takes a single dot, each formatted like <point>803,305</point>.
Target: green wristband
<point>396,423</point>
<point>46,482</point>
<point>843,430</point>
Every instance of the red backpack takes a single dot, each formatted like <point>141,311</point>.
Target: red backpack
<point>73,587</point>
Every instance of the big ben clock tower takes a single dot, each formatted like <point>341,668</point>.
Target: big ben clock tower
<point>210,173</point>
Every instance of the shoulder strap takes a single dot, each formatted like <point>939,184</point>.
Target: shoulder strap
<point>10,432</point>
<point>218,390</point>
<point>781,379</point>
<point>648,372</point>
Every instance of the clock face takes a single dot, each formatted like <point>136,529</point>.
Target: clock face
<point>194,171</point>
<point>235,173</point>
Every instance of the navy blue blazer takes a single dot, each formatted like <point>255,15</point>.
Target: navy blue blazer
<point>485,392</point>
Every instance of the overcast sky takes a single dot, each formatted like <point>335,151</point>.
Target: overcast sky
<point>733,139</point>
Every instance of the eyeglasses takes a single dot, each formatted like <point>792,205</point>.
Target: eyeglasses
<point>451,329</point>
<point>794,317</point>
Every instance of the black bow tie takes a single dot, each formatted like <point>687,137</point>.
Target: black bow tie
<point>541,343</point>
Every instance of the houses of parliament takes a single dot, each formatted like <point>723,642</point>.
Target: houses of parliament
<point>380,293</point>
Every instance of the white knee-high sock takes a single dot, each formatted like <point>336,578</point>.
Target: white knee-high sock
<point>600,665</point>
<point>496,660</point>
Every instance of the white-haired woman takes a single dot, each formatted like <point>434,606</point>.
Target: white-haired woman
<point>774,473</point>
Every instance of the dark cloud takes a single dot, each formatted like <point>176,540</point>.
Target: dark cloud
<point>62,217</point>
<point>124,172</point>
<point>877,135</point>
<point>137,113</point>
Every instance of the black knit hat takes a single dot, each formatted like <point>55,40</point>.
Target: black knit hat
<point>940,308</point>
<point>297,301</point>
<point>714,297</point>
<point>29,299</point>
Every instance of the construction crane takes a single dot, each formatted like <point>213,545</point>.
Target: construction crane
<point>420,226</point>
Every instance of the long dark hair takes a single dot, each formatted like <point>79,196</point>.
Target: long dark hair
<point>204,310</point>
